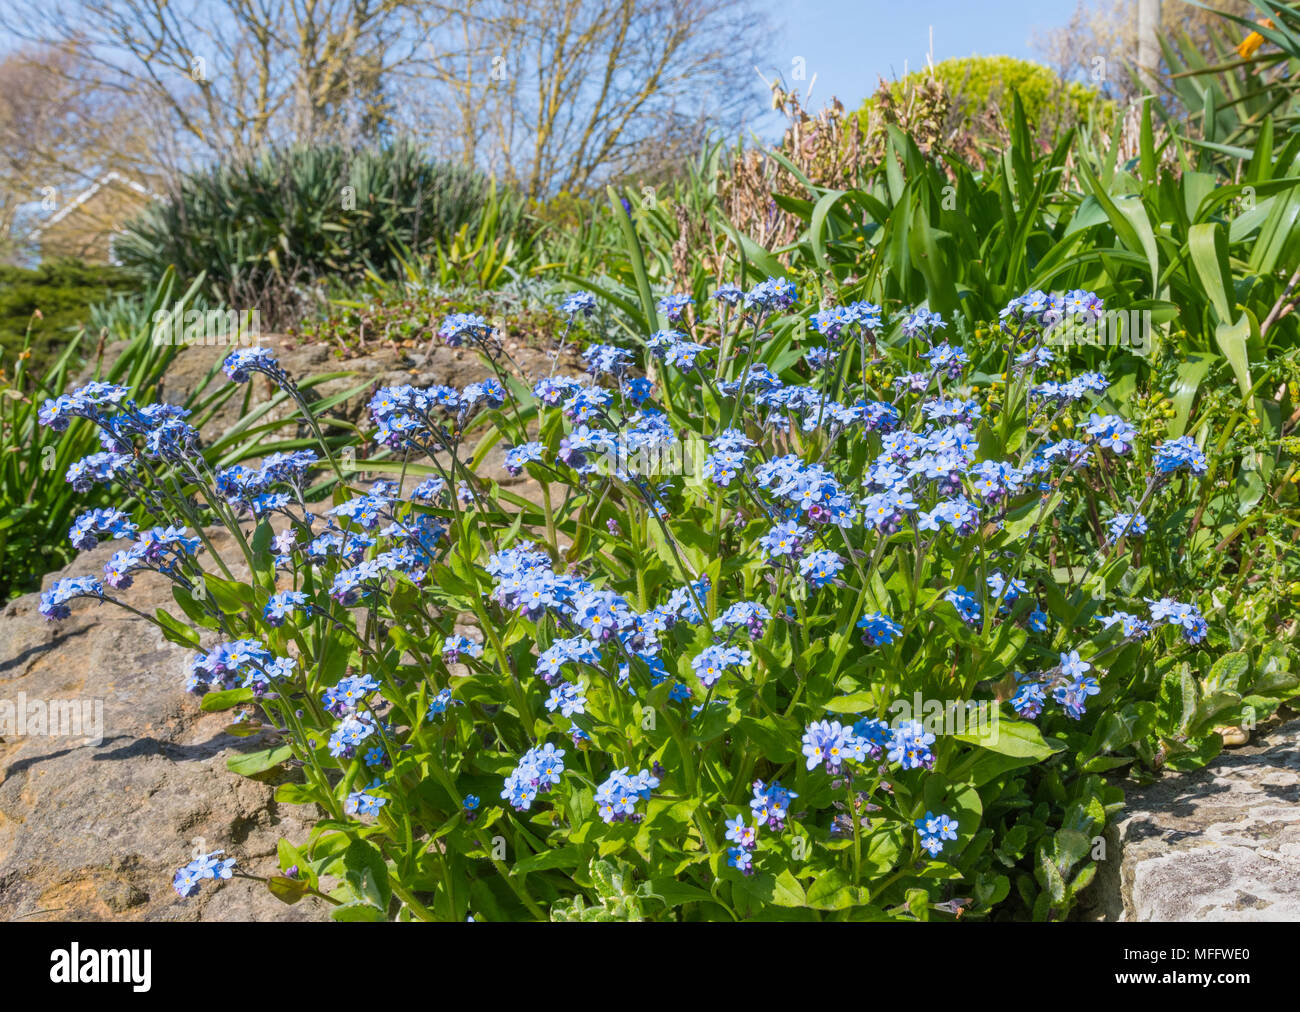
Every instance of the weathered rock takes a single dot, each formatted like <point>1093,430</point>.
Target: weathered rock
<point>96,831</point>
<point>383,366</point>
<point>1222,843</point>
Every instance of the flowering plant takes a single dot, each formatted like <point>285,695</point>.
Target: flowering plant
<point>843,626</point>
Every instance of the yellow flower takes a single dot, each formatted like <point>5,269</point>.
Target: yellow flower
<point>1251,43</point>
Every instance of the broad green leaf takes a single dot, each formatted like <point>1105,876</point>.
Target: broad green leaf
<point>251,763</point>
<point>1009,737</point>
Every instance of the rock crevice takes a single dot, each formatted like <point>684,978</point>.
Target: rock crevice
<point>1219,844</point>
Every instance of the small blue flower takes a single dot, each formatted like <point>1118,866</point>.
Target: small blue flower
<point>741,833</point>
<point>910,746</point>
<point>362,803</point>
<point>1127,525</point>
<point>579,304</point>
<point>240,364</point>
<point>879,628</point>
<point>821,567</point>
<point>934,830</point>
<point>538,771</point>
<point>1029,699</point>
<point>1130,625</point>
<point>439,703</point>
<point>1186,616</point>
<point>968,607</point>
<point>785,540</point>
<point>518,456</point>
<point>771,804</point>
<point>672,306</point>
<point>460,327</point>
<point>616,798</point>
<point>454,646</point>
<point>568,699</point>
<point>712,662</point>
<point>1072,666</point>
<point>1074,696</point>
<point>282,605</point>
<point>205,866</point>
<point>1178,455</point>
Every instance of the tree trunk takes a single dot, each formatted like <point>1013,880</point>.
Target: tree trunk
<point>1148,44</point>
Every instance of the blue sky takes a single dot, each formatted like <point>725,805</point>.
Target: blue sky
<point>850,44</point>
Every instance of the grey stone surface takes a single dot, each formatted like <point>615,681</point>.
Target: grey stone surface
<point>1219,844</point>
<point>95,832</point>
<point>382,366</point>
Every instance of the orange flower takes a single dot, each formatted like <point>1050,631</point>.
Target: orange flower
<point>1253,41</point>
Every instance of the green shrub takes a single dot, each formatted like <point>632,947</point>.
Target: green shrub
<point>718,690</point>
<point>983,84</point>
<point>406,314</point>
<point>38,503</point>
<point>272,231</point>
<point>63,292</point>
<point>1231,101</point>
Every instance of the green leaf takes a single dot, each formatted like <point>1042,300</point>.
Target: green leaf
<point>1190,374</point>
<point>831,890</point>
<point>294,794</point>
<point>989,766</point>
<point>781,890</point>
<point>675,894</point>
<point>1231,339</point>
<point>1212,710</point>
<point>1209,251</point>
<point>358,912</point>
<point>367,873</point>
<point>817,225</point>
<point>882,848</point>
<point>1024,518</point>
<point>231,597</point>
<point>854,703</point>
<point>1227,672</point>
<point>774,742</point>
<point>193,610</point>
<point>1017,738</point>
<point>287,890</point>
<point>1128,217</point>
<point>175,632</point>
<point>570,856</point>
<point>1208,245</point>
<point>1050,877</point>
<point>251,763</point>
<point>632,245</point>
<point>216,702</point>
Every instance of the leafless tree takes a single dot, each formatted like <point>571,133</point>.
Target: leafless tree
<point>233,75</point>
<point>1102,43</point>
<point>58,138</point>
<point>550,94</point>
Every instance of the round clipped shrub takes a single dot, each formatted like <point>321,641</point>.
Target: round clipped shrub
<point>981,87</point>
